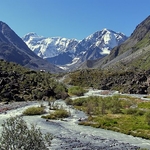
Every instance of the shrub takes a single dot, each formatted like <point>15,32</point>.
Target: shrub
<point>131,111</point>
<point>80,101</point>
<point>140,112</point>
<point>134,111</point>
<point>76,90</point>
<point>61,113</point>
<point>17,136</point>
<point>34,111</point>
<point>68,101</point>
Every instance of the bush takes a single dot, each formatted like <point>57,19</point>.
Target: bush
<point>140,112</point>
<point>68,101</point>
<point>131,111</point>
<point>134,111</point>
<point>80,101</point>
<point>17,136</point>
<point>76,90</point>
<point>34,111</point>
<point>61,113</point>
<point>23,84</point>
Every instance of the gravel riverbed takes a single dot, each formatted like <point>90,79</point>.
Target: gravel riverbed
<point>71,136</point>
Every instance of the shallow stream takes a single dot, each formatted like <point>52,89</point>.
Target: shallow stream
<point>69,135</point>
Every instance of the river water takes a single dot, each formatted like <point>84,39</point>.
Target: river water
<point>69,135</point>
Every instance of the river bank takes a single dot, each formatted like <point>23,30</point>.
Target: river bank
<point>69,135</point>
<point>7,106</point>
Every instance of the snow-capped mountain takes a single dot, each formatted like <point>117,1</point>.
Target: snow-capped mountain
<point>48,47</point>
<point>13,49</point>
<point>104,40</point>
<point>63,51</point>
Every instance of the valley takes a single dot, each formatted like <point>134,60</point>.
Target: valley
<point>102,82</point>
<point>71,53</point>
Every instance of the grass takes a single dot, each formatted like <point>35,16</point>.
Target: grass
<point>34,111</point>
<point>123,114</point>
<point>143,43</point>
<point>57,114</point>
<point>144,105</point>
<point>76,90</point>
<point>127,124</point>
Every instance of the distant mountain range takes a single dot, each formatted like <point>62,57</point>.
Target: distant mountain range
<point>134,53</point>
<point>70,53</point>
<point>103,49</point>
<point>13,49</point>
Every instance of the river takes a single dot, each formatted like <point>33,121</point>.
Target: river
<point>69,135</point>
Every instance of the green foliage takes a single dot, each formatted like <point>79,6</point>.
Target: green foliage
<point>134,111</point>
<point>57,114</point>
<point>147,117</point>
<point>145,105</point>
<point>86,78</point>
<point>143,43</point>
<point>143,62</point>
<point>21,84</point>
<point>16,135</point>
<point>34,111</point>
<point>102,105</point>
<point>76,90</point>
<point>120,113</point>
<point>112,80</point>
<point>80,101</point>
<point>116,105</point>
<point>95,78</point>
<point>69,101</point>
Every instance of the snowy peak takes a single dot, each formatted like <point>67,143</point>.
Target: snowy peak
<point>105,40</point>
<point>29,36</point>
<point>92,47</point>
<point>47,47</point>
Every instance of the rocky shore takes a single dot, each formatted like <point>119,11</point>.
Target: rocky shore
<point>96,143</point>
<point>7,106</point>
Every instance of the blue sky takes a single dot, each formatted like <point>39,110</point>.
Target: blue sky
<point>73,18</point>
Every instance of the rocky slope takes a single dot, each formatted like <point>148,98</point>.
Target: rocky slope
<point>18,83</point>
<point>13,49</point>
<point>132,82</point>
<point>68,52</point>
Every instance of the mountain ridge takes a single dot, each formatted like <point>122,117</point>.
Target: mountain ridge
<point>13,49</point>
<point>92,47</point>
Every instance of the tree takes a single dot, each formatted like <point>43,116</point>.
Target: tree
<point>17,136</point>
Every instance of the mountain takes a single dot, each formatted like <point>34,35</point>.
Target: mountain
<point>70,52</point>
<point>13,49</point>
<point>133,53</point>
<point>126,69</point>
